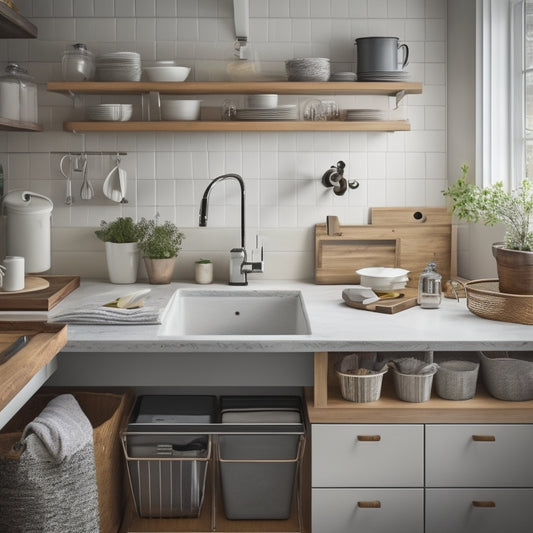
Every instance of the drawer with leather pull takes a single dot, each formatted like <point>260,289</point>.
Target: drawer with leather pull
<point>479,455</point>
<point>367,455</point>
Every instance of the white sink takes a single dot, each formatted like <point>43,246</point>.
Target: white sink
<point>235,312</point>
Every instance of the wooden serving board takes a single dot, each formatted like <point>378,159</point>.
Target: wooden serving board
<point>402,243</point>
<point>407,300</point>
<point>41,300</point>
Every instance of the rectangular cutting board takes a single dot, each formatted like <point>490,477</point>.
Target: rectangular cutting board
<point>408,241</point>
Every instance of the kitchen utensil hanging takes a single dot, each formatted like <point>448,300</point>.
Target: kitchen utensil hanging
<point>112,187</point>
<point>67,173</point>
<point>87,190</point>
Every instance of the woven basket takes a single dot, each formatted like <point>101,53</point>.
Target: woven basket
<point>483,298</point>
<point>414,388</point>
<point>360,388</point>
<point>506,378</point>
<point>456,380</point>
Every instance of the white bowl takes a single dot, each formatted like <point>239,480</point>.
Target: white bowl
<point>383,278</point>
<point>166,73</point>
<point>262,101</point>
<point>180,109</point>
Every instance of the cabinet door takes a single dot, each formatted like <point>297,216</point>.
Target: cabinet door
<point>476,455</point>
<point>355,455</point>
<point>375,510</point>
<point>479,510</point>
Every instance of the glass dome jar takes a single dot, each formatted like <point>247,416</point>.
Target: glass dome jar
<point>18,95</point>
<point>77,63</point>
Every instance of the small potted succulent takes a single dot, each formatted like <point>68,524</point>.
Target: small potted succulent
<point>122,253</point>
<point>203,271</point>
<point>159,245</point>
<point>493,205</point>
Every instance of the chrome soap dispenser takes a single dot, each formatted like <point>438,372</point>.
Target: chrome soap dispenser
<point>429,288</point>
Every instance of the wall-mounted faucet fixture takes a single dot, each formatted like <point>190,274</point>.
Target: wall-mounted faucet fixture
<point>334,177</point>
<point>239,266</point>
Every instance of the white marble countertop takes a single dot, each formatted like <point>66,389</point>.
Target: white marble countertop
<point>334,326</point>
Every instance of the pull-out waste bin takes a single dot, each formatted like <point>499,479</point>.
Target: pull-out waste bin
<point>259,467</point>
<point>168,468</point>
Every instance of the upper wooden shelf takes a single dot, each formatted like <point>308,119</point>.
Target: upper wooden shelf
<point>7,124</point>
<point>228,87</point>
<point>15,26</point>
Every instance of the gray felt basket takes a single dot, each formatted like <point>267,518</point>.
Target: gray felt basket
<point>507,378</point>
<point>456,380</point>
<point>413,387</point>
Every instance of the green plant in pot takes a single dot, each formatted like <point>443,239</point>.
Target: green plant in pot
<point>491,206</point>
<point>159,245</point>
<point>203,271</point>
<point>122,253</point>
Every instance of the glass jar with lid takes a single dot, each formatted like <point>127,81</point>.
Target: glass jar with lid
<point>77,63</point>
<point>18,95</point>
<point>429,287</point>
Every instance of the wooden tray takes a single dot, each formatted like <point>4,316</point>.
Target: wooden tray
<point>43,300</point>
<point>408,299</point>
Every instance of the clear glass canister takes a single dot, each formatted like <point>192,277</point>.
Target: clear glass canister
<point>77,63</point>
<point>18,95</point>
<point>429,287</point>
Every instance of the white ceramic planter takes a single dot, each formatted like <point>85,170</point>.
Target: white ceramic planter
<point>203,273</point>
<point>122,261</point>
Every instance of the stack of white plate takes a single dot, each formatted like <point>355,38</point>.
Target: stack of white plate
<point>365,114</point>
<point>383,278</point>
<point>343,76</point>
<point>383,75</point>
<point>119,66</point>
<point>282,112</point>
<point>308,69</point>
<point>110,112</point>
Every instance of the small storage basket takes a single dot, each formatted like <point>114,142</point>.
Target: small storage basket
<point>414,388</point>
<point>360,388</point>
<point>506,378</point>
<point>456,380</point>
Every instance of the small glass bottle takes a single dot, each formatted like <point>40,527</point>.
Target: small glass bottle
<point>429,288</point>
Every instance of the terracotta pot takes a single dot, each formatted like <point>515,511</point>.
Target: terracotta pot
<point>515,269</point>
<point>159,270</point>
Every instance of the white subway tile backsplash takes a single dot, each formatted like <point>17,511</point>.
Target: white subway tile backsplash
<point>377,8</point>
<point>82,8</point>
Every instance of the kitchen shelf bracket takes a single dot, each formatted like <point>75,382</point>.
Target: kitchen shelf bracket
<point>399,97</point>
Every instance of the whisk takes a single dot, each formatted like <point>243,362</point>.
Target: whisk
<point>86,191</point>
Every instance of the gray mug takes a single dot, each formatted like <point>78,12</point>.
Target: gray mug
<point>377,54</point>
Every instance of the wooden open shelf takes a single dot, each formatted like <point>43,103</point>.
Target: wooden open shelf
<point>7,124</point>
<point>326,405</point>
<point>229,87</point>
<point>14,26</point>
<point>264,125</point>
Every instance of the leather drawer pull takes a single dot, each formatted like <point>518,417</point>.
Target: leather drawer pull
<point>368,438</point>
<point>487,504</point>
<point>376,504</point>
<point>484,438</point>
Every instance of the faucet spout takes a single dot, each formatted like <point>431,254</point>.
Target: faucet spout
<point>205,201</point>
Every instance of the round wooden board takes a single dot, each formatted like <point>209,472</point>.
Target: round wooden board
<point>32,284</point>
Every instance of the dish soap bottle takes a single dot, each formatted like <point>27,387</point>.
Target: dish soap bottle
<point>429,288</point>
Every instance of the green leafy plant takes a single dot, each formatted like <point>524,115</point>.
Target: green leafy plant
<point>158,241</point>
<point>203,261</point>
<point>493,205</point>
<point>120,230</point>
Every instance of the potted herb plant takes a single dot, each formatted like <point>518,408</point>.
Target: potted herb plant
<point>159,245</point>
<point>493,205</point>
<point>122,253</point>
<point>203,271</point>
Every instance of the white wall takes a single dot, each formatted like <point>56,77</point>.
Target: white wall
<point>168,172</point>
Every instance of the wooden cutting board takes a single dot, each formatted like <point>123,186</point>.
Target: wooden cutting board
<point>407,300</point>
<point>407,238</point>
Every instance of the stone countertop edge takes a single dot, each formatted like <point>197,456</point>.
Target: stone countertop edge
<point>334,325</point>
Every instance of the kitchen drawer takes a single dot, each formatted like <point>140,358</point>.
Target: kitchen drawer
<point>354,455</point>
<point>495,511</point>
<point>472,455</point>
<point>376,510</point>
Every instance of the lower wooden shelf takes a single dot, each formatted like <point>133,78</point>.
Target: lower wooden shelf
<point>230,125</point>
<point>18,125</point>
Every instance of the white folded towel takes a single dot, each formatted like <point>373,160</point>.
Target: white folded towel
<point>62,428</point>
<point>108,315</point>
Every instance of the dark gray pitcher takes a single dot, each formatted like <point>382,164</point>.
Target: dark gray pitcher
<point>376,54</point>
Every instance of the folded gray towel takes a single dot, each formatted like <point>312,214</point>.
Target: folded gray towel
<point>108,315</point>
<point>62,429</point>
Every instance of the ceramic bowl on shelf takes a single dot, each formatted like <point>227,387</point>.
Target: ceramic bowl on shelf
<point>180,109</point>
<point>166,73</point>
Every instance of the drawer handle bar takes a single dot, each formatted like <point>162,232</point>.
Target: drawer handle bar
<point>368,438</point>
<point>484,438</point>
<point>376,504</point>
<point>486,504</point>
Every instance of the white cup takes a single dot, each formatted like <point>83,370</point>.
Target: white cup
<point>12,273</point>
